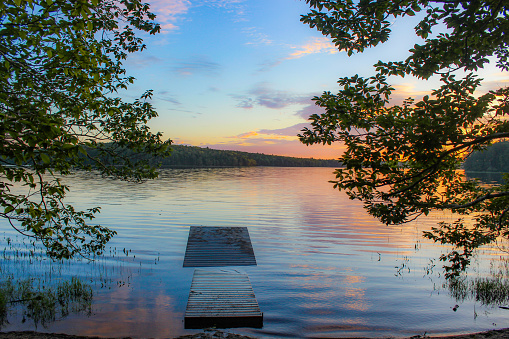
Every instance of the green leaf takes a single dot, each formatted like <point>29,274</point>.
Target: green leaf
<point>82,150</point>
<point>45,158</point>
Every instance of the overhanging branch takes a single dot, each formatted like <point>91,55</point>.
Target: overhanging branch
<point>428,171</point>
<point>478,200</point>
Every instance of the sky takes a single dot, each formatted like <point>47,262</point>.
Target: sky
<point>241,74</point>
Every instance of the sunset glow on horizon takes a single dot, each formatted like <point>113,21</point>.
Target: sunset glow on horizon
<point>241,74</point>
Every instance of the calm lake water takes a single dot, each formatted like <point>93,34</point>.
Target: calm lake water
<point>325,268</point>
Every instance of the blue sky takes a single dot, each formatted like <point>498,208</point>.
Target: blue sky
<point>240,74</point>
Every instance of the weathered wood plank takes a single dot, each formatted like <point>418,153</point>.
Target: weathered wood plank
<point>222,299</point>
<point>209,246</point>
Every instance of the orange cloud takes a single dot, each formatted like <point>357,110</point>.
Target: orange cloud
<point>417,89</point>
<point>407,90</point>
<point>271,143</point>
<point>261,137</point>
<point>317,45</point>
<point>292,148</point>
<point>247,135</point>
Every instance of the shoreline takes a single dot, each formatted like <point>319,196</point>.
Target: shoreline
<point>218,334</point>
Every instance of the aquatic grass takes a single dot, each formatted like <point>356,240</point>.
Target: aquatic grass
<point>32,286</point>
<point>74,296</point>
<point>490,290</point>
<point>44,304</point>
<point>39,304</point>
<point>6,290</point>
<point>36,288</point>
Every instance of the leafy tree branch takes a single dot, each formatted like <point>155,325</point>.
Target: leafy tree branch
<point>402,161</point>
<point>60,72</point>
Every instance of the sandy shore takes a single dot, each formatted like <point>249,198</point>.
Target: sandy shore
<point>214,334</point>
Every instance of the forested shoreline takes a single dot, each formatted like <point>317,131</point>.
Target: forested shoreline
<point>193,156</point>
<point>183,156</point>
<point>494,158</point>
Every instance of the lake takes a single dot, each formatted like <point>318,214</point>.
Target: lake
<point>325,267</point>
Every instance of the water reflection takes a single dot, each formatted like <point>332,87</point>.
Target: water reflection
<point>494,178</point>
<point>325,268</point>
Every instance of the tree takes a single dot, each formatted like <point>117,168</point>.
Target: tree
<point>494,159</point>
<point>60,73</point>
<point>402,161</point>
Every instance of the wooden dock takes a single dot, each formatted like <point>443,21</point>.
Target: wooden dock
<point>222,300</point>
<point>218,246</point>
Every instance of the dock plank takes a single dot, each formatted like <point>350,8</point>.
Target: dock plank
<point>223,300</point>
<point>209,246</point>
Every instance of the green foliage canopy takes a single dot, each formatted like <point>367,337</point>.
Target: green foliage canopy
<point>402,160</point>
<point>60,71</point>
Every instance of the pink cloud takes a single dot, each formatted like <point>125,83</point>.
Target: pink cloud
<point>169,12</point>
<point>287,131</point>
<point>309,110</point>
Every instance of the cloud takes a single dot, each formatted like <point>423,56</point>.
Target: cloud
<point>287,131</point>
<point>286,147</point>
<point>310,109</point>
<point>166,96</point>
<point>268,136</point>
<point>247,135</point>
<point>185,111</point>
<point>495,82</point>
<point>255,37</point>
<point>170,99</point>
<point>244,102</point>
<point>416,89</point>
<point>257,138</point>
<point>197,65</point>
<point>268,65</point>
<point>169,12</point>
<point>263,95</point>
<point>316,45</point>
<point>407,90</point>
<point>142,61</point>
<point>235,7</point>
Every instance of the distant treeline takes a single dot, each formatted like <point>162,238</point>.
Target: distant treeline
<point>495,158</point>
<point>192,156</point>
